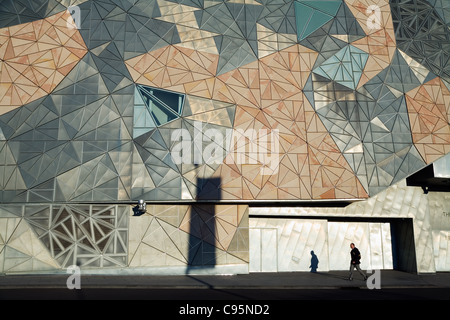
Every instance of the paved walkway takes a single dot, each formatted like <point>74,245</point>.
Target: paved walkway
<point>285,280</point>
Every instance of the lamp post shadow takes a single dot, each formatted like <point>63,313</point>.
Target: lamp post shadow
<point>202,227</point>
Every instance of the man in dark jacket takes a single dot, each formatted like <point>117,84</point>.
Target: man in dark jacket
<point>355,261</point>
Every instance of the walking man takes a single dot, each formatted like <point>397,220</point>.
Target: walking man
<point>355,261</point>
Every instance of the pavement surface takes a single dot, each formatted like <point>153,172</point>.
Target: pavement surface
<point>388,284</point>
<point>256,295</point>
<point>282,280</point>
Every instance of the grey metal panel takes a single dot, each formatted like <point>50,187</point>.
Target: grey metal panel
<point>340,235</point>
<point>312,241</point>
<point>14,12</point>
<point>441,167</point>
<point>433,32</point>
<point>255,250</point>
<point>440,224</point>
<point>386,242</point>
<point>441,245</point>
<point>439,204</point>
<point>291,243</point>
<point>269,250</point>
<point>376,246</point>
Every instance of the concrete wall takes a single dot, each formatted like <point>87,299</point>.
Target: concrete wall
<point>168,239</point>
<point>428,212</point>
<point>290,244</point>
<point>286,244</point>
<point>439,203</point>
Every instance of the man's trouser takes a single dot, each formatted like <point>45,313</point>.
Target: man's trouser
<point>352,267</point>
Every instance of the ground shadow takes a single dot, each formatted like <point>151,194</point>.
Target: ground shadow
<point>333,275</point>
<point>211,287</point>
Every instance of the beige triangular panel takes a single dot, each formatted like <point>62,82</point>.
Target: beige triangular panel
<point>7,227</point>
<point>13,258</point>
<point>25,241</point>
<point>157,237</point>
<point>147,256</point>
<point>239,244</point>
<point>223,257</point>
<point>137,229</point>
<point>172,214</point>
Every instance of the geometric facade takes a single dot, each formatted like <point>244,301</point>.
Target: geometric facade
<point>96,98</point>
<point>50,238</point>
<point>106,96</point>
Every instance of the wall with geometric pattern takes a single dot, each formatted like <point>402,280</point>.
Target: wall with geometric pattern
<point>299,244</point>
<point>48,238</point>
<point>92,94</point>
<point>87,106</point>
<point>221,238</point>
<point>429,228</point>
<point>169,238</point>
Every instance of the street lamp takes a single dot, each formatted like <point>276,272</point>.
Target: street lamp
<point>141,208</point>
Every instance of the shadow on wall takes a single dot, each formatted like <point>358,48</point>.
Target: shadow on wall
<point>202,227</point>
<point>403,245</point>
<point>314,262</point>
